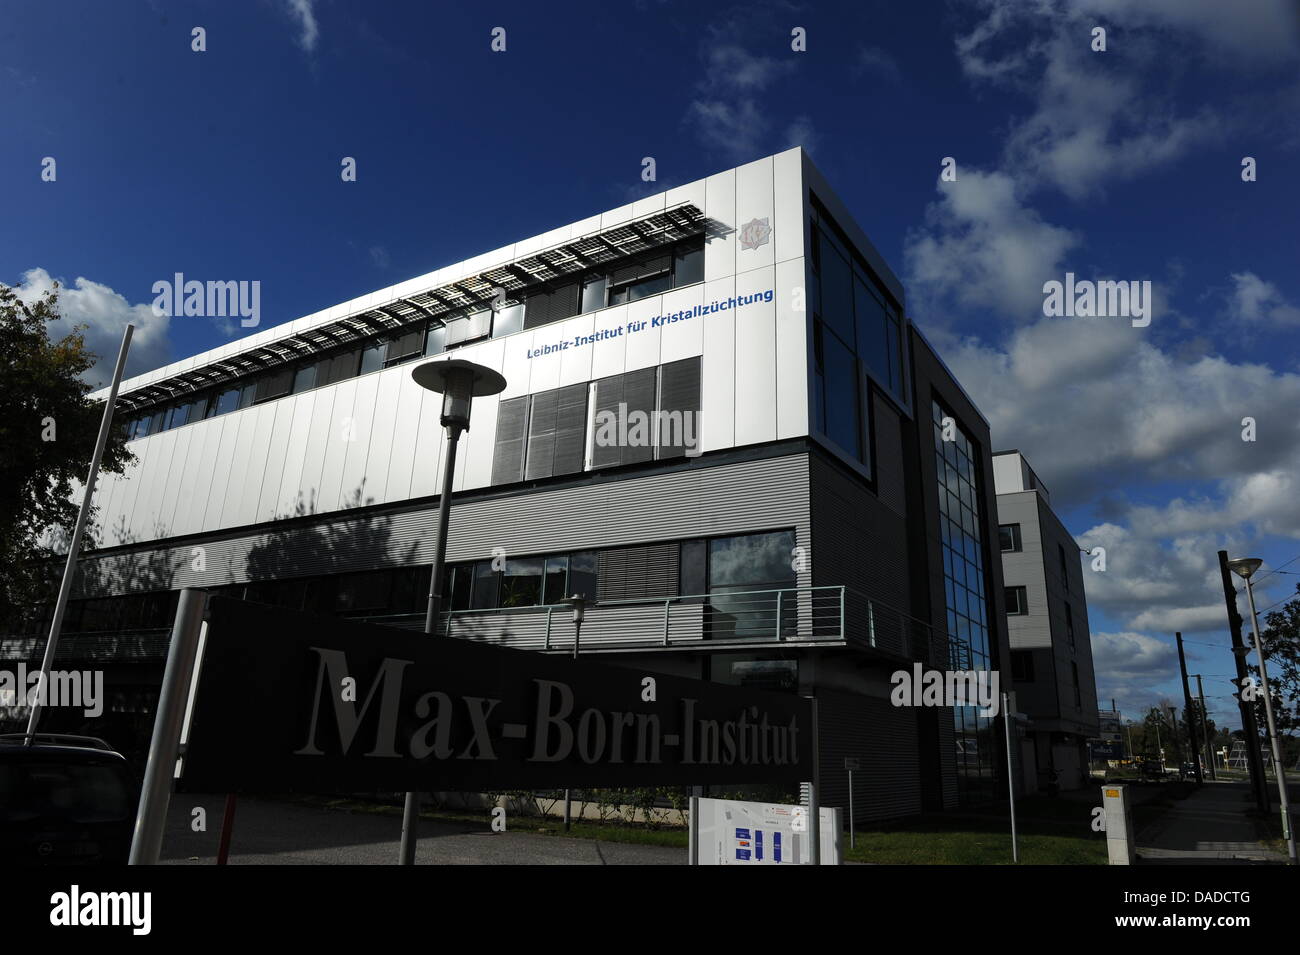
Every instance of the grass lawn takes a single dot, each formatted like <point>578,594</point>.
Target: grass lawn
<point>1051,831</point>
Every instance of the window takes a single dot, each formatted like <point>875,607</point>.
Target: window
<point>688,263</point>
<point>739,569</point>
<point>541,435</point>
<point>624,421</point>
<point>1069,626</point>
<point>366,592</point>
<point>1017,602</point>
<point>642,288</point>
<point>372,358</point>
<point>552,304</point>
<point>507,320</point>
<point>1009,537</point>
<point>304,379</point>
<point>273,385</point>
<point>1065,568</point>
<point>1022,666</point>
<point>406,346</point>
<point>1078,695</point>
<point>593,293</point>
<point>521,582</point>
<point>678,420</point>
<point>435,343</point>
<point>557,432</point>
<point>485,589</point>
<point>854,306</point>
<point>842,402</point>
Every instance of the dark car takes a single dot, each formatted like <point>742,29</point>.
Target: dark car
<point>64,800</point>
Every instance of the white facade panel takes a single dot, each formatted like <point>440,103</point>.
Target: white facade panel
<point>354,487</point>
<point>718,371</point>
<point>643,337</point>
<point>754,205</point>
<point>340,434</point>
<point>254,470</point>
<point>576,363</point>
<point>756,358</point>
<point>789,219</point>
<point>291,476</point>
<point>426,473</point>
<point>608,356</point>
<point>406,429</point>
<point>383,426</point>
<point>682,339</point>
<point>720,202</point>
<point>175,478</point>
<point>793,346</point>
<point>277,447</point>
<point>516,366</point>
<point>308,498</point>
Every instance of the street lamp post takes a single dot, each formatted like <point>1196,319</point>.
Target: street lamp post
<point>578,603</point>
<point>1244,567</point>
<point>459,382</point>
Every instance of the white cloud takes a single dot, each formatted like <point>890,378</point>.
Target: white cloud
<point>878,61</point>
<point>1261,31</point>
<point>106,314</point>
<point>1097,407</point>
<point>1132,656</point>
<point>309,30</point>
<point>1254,300</point>
<point>726,113</point>
<point>1091,124</point>
<point>982,247</point>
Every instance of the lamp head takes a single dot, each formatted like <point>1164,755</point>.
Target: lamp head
<point>578,602</point>
<point>1245,566</point>
<point>459,382</point>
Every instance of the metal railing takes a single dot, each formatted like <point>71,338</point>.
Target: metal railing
<point>834,614</point>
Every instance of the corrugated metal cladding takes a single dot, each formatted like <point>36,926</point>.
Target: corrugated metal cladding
<point>948,758</point>
<point>649,570</point>
<point>890,482</point>
<point>732,498</point>
<point>884,738</point>
<point>857,541</point>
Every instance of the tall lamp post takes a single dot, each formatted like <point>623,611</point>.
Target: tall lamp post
<point>459,382</point>
<point>578,603</point>
<point>1245,567</point>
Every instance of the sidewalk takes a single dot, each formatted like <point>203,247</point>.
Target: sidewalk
<point>1211,826</point>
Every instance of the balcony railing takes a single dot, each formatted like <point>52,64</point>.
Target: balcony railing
<point>797,615</point>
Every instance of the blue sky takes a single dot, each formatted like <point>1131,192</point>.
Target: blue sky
<point>1120,164</point>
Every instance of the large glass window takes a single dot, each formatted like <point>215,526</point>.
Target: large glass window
<point>688,264</point>
<point>521,582</point>
<point>593,293</point>
<point>843,407</point>
<point>964,589</point>
<point>743,573</point>
<point>372,358</point>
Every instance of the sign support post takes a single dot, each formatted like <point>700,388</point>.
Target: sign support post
<point>164,747</point>
<point>1011,783</point>
<point>74,547</point>
<point>815,810</point>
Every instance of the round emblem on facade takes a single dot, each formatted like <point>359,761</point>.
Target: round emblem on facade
<point>754,233</point>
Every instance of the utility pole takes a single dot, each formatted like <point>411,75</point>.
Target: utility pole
<point>1248,727</point>
<point>1209,744</point>
<point>1187,708</point>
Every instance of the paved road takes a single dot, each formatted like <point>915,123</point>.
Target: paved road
<point>1208,827</point>
<point>268,832</point>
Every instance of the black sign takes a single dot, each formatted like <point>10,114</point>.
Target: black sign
<point>294,702</point>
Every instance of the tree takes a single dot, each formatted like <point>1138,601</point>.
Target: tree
<point>48,429</point>
<point>1280,637</point>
